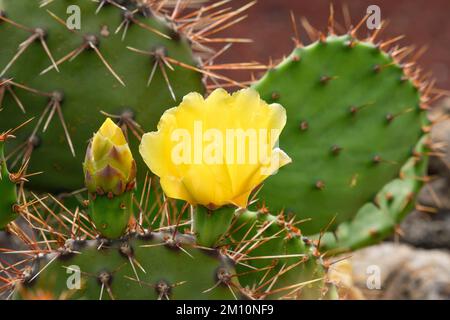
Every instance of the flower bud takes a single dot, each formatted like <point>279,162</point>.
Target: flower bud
<point>109,167</point>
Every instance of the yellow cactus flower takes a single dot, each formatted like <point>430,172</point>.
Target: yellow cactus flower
<point>215,151</point>
<point>109,166</point>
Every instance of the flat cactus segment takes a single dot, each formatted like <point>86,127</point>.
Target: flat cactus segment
<point>376,221</point>
<point>275,261</point>
<point>173,270</point>
<point>354,118</point>
<point>98,71</point>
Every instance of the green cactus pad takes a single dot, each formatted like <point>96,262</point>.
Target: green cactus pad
<point>173,270</point>
<point>274,259</point>
<point>376,221</point>
<point>8,193</point>
<point>84,86</point>
<point>353,121</point>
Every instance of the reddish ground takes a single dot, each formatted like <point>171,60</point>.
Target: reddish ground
<point>423,22</point>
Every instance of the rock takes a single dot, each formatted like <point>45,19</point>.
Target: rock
<point>404,272</point>
<point>340,274</point>
<point>429,225</point>
<point>427,230</point>
<point>440,137</point>
<point>436,194</point>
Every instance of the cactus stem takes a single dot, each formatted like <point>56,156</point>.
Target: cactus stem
<point>212,225</point>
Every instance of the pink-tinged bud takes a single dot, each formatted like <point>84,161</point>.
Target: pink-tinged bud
<point>109,166</point>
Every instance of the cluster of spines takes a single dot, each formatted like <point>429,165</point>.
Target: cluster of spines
<point>66,233</point>
<point>275,260</point>
<point>130,248</point>
<point>11,184</point>
<point>402,58</point>
<point>74,219</point>
<point>186,20</point>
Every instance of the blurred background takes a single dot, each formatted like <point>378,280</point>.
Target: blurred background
<point>422,22</point>
<point>415,264</point>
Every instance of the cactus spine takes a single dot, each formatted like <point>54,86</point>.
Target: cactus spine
<point>355,114</point>
<point>356,111</point>
<point>7,189</point>
<point>127,60</point>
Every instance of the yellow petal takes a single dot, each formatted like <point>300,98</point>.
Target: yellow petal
<point>242,200</point>
<point>100,146</point>
<point>174,188</point>
<point>205,125</point>
<point>111,131</point>
<point>156,147</point>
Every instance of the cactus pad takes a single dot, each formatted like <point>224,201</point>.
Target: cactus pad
<point>98,71</point>
<point>375,221</point>
<point>354,118</point>
<point>275,260</point>
<point>174,269</point>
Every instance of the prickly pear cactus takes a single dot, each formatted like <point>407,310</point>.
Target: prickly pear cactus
<point>276,260</point>
<point>354,118</point>
<point>379,219</point>
<point>103,252</point>
<point>65,78</point>
<point>266,259</point>
<point>148,267</point>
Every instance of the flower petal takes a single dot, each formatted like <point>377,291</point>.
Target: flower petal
<point>228,147</point>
